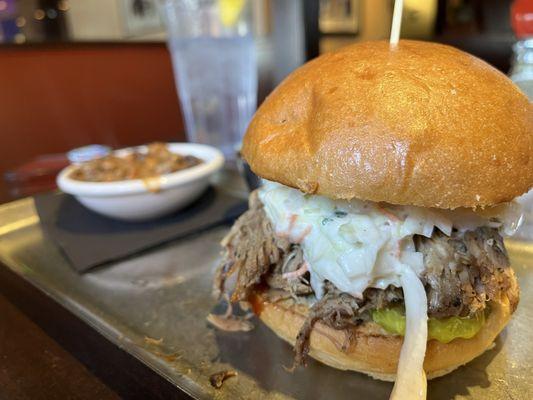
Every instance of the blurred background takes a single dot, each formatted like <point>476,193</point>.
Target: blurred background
<point>75,72</point>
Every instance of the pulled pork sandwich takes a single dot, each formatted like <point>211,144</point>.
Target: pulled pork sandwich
<point>376,241</point>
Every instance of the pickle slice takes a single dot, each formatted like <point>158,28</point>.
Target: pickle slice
<point>443,329</point>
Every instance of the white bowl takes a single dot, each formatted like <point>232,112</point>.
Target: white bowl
<point>132,201</point>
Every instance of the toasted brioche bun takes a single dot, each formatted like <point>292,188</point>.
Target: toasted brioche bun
<point>375,352</point>
<point>422,124</point>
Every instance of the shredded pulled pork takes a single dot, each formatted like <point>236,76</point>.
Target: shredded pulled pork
<point>252,249</point>
<point>218,378</point>
<point>462,272</point>
<point>230,322</point>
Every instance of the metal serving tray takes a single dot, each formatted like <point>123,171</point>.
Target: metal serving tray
<point>154,306</point>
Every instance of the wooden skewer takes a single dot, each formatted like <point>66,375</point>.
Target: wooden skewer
<point>396,23</point>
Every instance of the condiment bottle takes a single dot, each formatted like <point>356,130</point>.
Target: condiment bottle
<point>522,66</point>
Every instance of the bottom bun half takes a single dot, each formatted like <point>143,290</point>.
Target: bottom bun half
<point>373,351</point>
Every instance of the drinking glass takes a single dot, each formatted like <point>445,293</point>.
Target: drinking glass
<point>215,68</point>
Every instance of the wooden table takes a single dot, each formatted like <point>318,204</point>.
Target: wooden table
<point>48,353</point>
<point>35,366</point>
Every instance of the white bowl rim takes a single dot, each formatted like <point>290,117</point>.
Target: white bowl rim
<point>212,158</point>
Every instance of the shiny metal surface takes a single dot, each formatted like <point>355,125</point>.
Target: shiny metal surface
<point>154,306</point>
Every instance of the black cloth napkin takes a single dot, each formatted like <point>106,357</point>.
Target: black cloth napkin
<point>89,239</point>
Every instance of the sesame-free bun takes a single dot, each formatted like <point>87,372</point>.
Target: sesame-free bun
<point>422,124</point>
<point>373,351</point>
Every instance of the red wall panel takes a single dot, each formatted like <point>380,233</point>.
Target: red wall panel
<point>57,97</point>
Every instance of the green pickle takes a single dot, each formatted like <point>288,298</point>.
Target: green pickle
<point>444,330</point>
